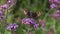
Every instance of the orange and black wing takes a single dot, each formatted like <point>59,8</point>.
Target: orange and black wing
<point>36,14</point>
<point>31,14</point>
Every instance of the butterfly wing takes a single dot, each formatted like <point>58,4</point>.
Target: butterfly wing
<point>30,14</point>
<point>27,12</point>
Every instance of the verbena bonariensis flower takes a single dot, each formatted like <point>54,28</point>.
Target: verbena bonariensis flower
<point>53,6</point>
<point>58,11</point>
<point>11,2</point>
<point>36,25</point>
<point>28,21</point>
<point>1,15</point>
<point>56,0</point>
<point>1,12</point>
<point>4,6</point>
<point>12,26</point>
<point>42,23</point>
<point>56,15</point>
<point>51,1</point>
<point>31,32</point>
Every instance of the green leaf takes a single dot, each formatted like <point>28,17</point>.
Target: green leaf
<point>10,18</point>
<point>7,32</point>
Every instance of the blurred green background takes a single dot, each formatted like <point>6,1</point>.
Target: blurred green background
<point>34,6</point>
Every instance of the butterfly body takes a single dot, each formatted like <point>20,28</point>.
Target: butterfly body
<point>31,14</point>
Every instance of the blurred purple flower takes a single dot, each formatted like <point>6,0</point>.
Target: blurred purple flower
<point>12,26</point>
<point>28,21</point>
<point>36,25</point>
<point>52,6</point>
<point>42,23</point>
<point>1,12</point>
<point>56,16</point>
<point>4,6</point>
<point>31,32</point>
<point>1,15</point>
<point>51,1</point>
<point>58,11</point>
<point>9,1</point>
<point>56,0</point>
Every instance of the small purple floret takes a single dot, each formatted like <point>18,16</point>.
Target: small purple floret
<point>28,21</point>
<point>1,12</point>
<point>4,6</point>
<point>1,15</point>
<point>12,26</point>
<point>36,25</point>
<point>52,6</point>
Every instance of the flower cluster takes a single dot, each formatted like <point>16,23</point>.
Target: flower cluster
<point>56,15</point>
<point>54,4</point>
<point>7,5</point>
<point>30,21</point>
<point>11,2</point>
<point>12,26</point>
<point>31,32</point>
<point>1,14</point>
<point>4,6</point>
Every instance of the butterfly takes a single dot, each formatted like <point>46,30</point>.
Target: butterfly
<point>30,14</point>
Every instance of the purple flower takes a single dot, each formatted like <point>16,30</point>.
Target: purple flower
<point>4,6</point>
<point>1,15</point>
<point>1,12</point>
<point>52,6</point>
<point>31,32</point>
<point>42,23</point>
<point>36,25</point>
<point>56,0</point>
<point>0,8</point>
<point>56,16</point>
<point>51,1</point>
<point>28,21</point>
<point>12,26</point>
<point>9,1</point>
<point>58,11</point>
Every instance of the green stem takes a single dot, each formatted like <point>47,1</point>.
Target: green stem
<point>46,15</point>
